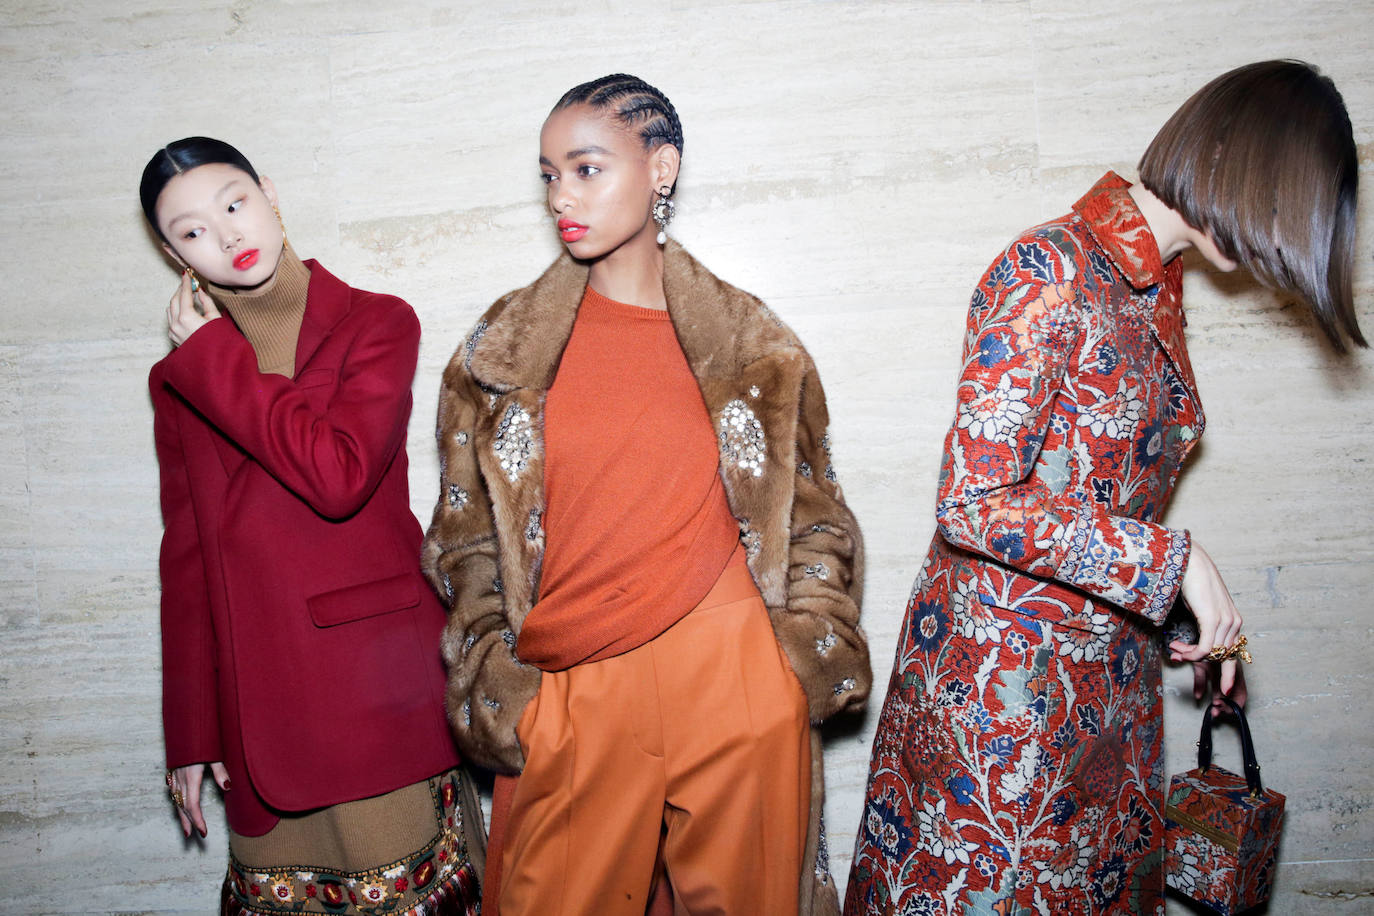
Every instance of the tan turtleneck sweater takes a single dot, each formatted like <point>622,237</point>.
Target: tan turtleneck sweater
<point>270,315</point>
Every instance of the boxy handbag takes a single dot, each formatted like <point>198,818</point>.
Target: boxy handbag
<point>1221,829</point>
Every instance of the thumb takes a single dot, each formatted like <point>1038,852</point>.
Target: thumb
<point>221,775</point>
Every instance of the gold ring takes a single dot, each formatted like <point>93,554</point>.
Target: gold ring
<point>1243,652</point>
<point>178,799</point>
<point>1235,650</point>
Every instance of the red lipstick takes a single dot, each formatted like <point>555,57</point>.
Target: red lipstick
<point>246,259</point>
<point>571,231</point>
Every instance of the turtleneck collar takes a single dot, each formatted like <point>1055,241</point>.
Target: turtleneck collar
<point>270,315</point>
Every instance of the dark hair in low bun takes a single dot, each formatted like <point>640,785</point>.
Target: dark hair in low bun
<point>182,156</point>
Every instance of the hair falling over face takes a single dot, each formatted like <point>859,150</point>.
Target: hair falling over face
<point>1263,159</point>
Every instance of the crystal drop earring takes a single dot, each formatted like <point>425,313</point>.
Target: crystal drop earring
<point>663,212</point>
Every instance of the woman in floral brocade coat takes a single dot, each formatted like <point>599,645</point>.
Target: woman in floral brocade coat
<point>1017,762</point>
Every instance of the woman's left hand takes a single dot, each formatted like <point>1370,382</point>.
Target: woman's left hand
<point>1218,621</point>
<point>188,311</point>
<point>185,783</point>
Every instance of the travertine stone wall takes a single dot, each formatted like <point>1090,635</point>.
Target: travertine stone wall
<point>855,164</point>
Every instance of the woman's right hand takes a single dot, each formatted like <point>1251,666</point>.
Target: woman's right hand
<point>188,779</point>
<point>188,311</point>
<point>1218,621</point>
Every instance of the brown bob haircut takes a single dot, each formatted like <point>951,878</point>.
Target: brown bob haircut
<point>1263,159</point>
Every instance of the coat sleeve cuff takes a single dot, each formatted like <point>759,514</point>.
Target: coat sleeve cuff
<point>488,690</point>
<point>184,754</point>
<point>1161,598</point>
<point>1134,564</point>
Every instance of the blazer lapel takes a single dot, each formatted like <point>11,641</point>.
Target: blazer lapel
<point>1119,227</point>
<point>327,301</point>
<point>514,354</point>
<point>520,345</point>
<point>1167,324</point>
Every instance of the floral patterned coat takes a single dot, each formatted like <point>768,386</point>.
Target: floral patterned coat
<point>485,543</point>
<point>1016,765</point>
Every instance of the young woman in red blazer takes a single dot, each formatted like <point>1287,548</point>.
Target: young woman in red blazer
<point>300,641</point>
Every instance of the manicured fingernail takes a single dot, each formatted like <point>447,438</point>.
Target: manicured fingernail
<point>226,783</point>
<point>202,832</point>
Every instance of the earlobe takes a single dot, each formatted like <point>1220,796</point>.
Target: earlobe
<point>269,189</point>
<point>171,253</point>
<point>667,160</point>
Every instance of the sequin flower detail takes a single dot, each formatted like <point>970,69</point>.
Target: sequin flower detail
<point>514,441</point>
<point>457,496</point>
<point>742,441</point>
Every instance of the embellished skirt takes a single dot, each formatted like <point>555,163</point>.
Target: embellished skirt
<point>1017,764</point>
<point>403,854</point>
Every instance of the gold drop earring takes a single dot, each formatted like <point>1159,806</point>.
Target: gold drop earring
<point>195,288</point>
<point>284,243</point>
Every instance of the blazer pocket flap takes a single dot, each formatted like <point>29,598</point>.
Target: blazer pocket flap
<point>366,599</point>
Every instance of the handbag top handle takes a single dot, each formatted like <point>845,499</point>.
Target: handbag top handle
<point>1247,747</point>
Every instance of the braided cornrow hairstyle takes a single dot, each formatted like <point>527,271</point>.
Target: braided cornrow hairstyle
<point>636,104</point>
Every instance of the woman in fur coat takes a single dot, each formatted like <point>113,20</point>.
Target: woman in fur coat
<point>653,579</point>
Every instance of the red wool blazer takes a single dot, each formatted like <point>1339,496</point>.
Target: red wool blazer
<point>300,643</point>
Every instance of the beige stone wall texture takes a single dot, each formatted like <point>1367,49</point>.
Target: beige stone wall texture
<point>856,164</point>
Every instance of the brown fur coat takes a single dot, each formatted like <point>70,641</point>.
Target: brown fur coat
<point>486,540</point>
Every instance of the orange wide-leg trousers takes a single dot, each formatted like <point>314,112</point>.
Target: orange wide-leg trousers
<point>693,747</point>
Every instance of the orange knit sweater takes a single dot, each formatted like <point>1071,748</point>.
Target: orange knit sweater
<point>637,525</point>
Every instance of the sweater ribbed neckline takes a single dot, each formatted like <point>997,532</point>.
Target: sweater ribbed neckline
<point>598,306</point>
<point>270,315</point>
